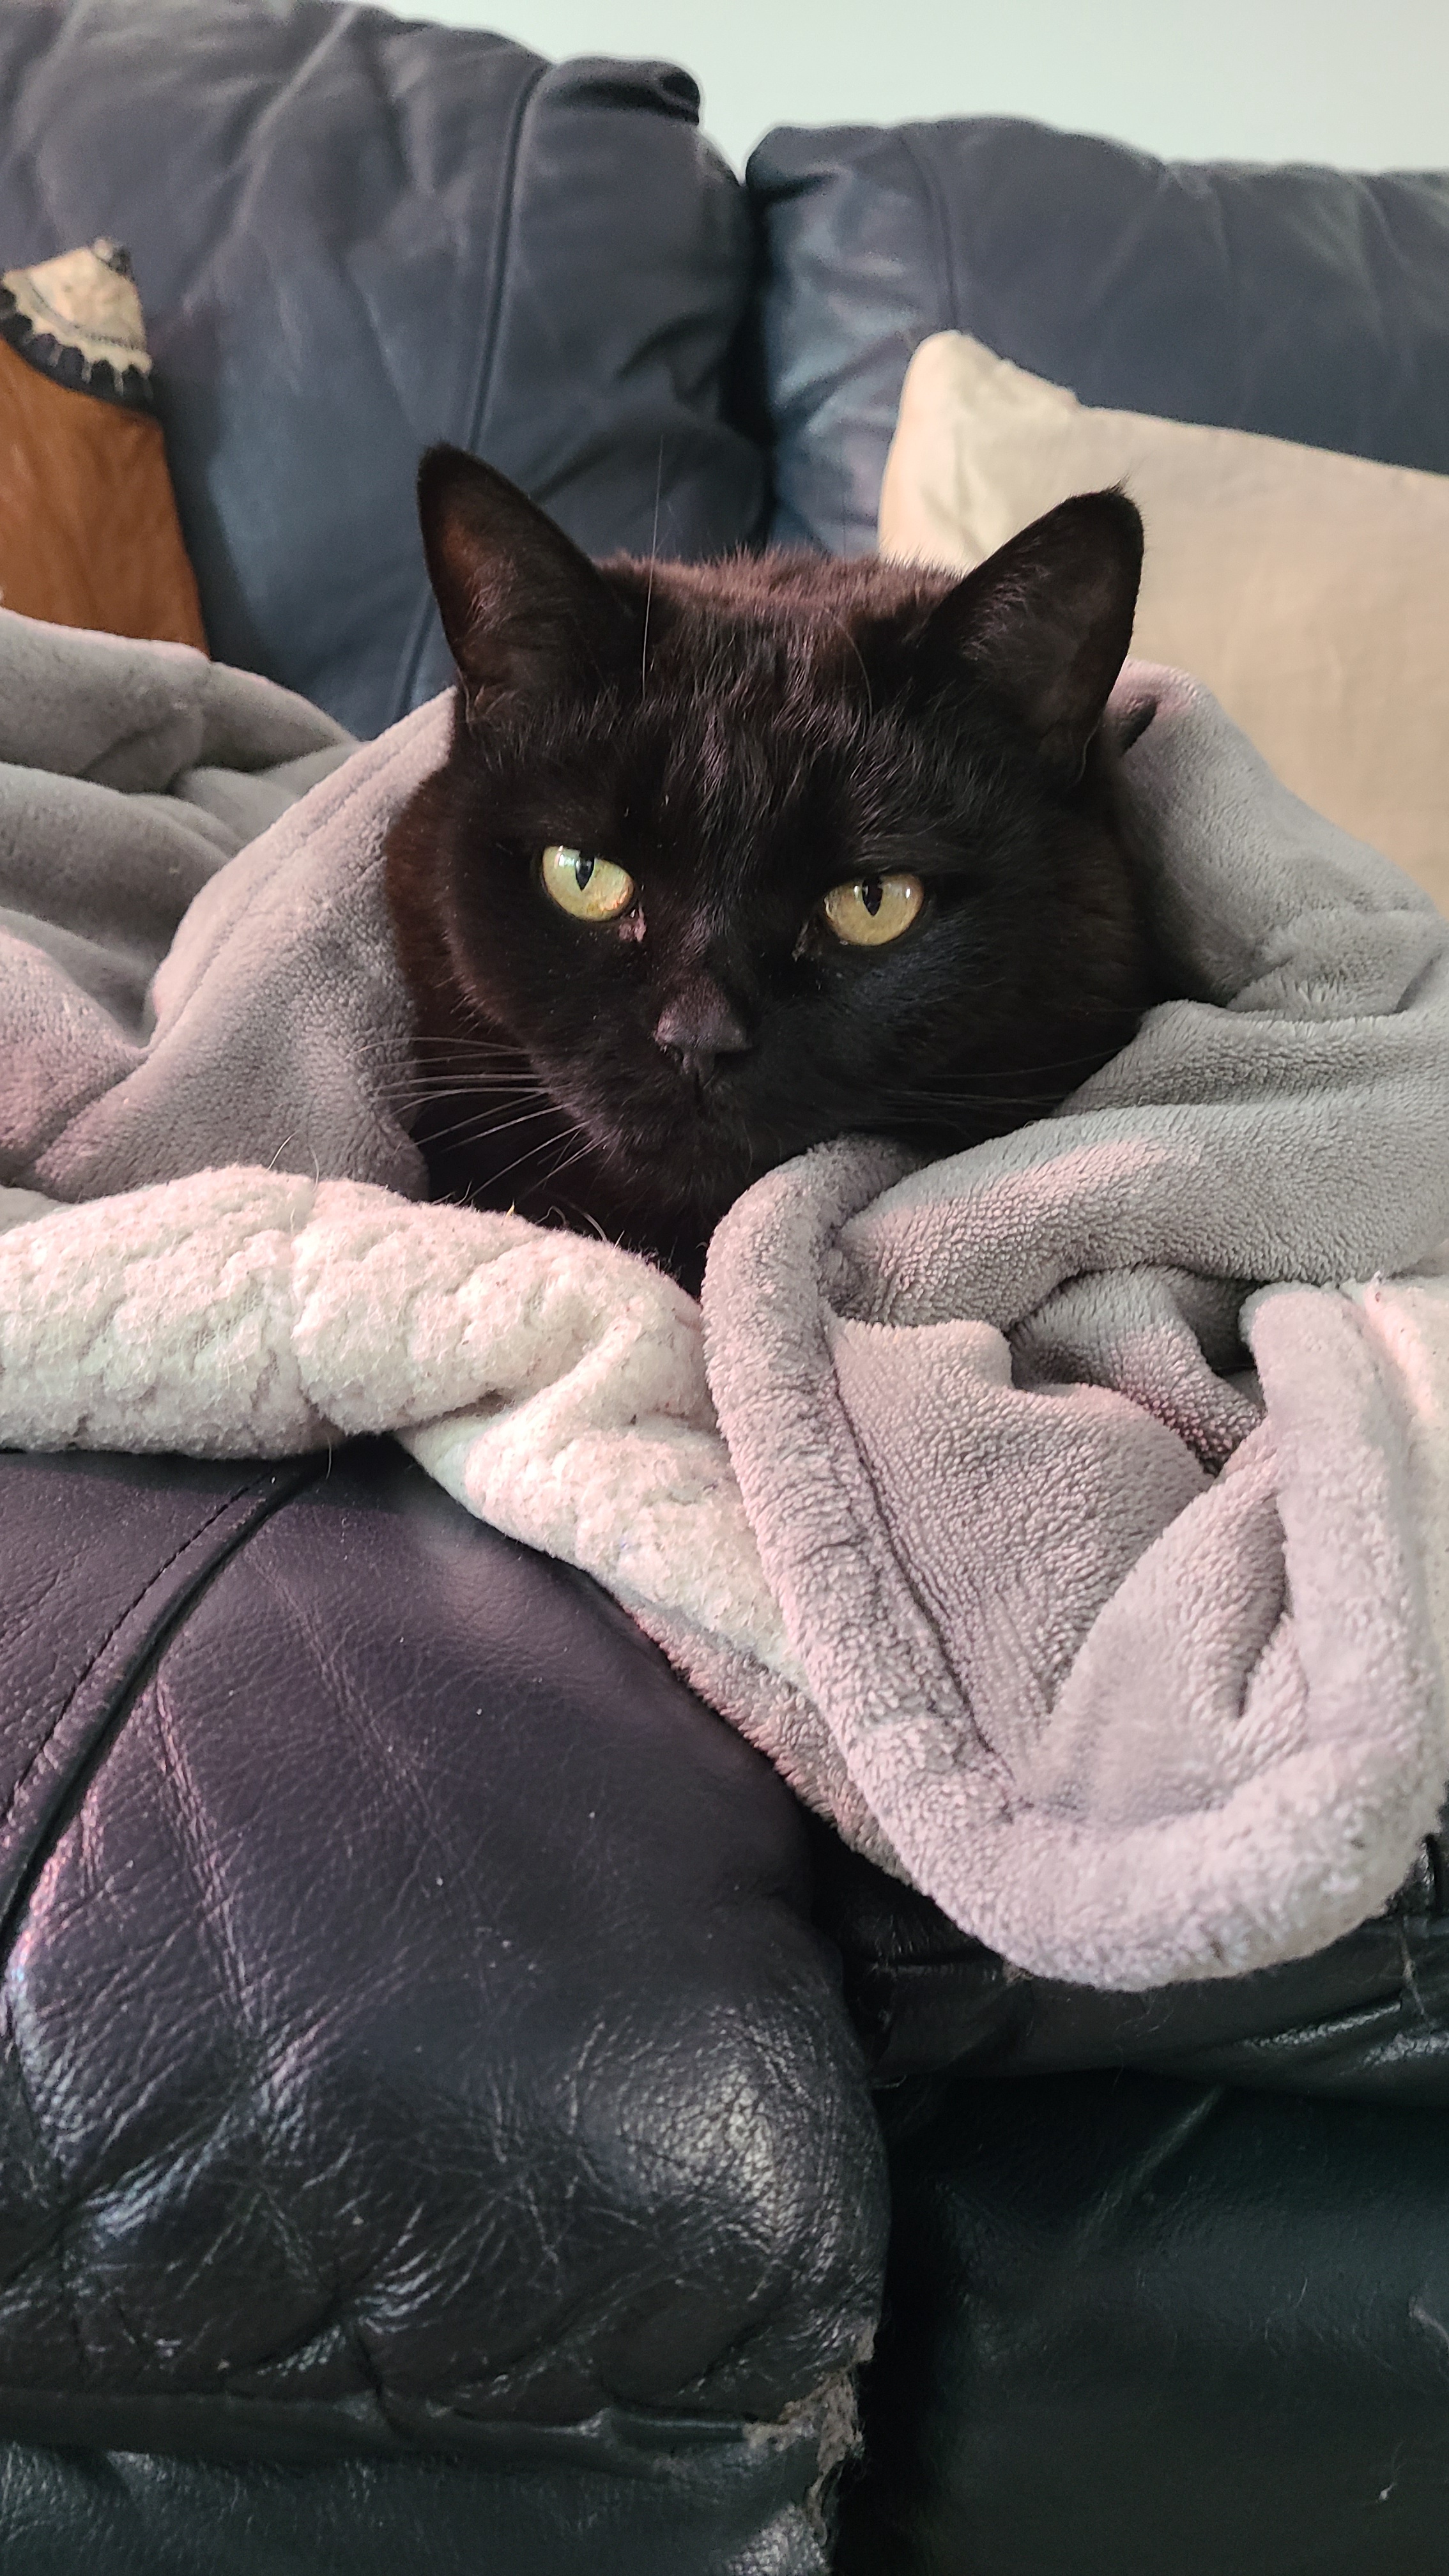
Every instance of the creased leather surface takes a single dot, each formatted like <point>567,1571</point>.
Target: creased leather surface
<point>1136,2325</point>
<point>1308,304</point>
<point>724,2511</point>
<point>417,2016</point>
<point>373,234</point>
<point>100,1560</point>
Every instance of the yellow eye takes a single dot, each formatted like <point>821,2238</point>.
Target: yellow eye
<point>873,909</point>
<point>590,889</point>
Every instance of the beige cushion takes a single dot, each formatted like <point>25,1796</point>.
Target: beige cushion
<point>1310,591</point>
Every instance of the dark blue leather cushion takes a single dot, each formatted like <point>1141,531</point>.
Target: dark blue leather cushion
<point>353,236</point>
<point>1135,2326</point>
<point>1311,304</point>
<point>412,2035</point>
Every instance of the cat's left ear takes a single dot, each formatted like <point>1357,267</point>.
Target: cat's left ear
<point>523,608</point>
<point>1046,621</point>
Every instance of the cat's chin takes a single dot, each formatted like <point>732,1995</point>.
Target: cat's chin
<point>684,1176</point>
<point>634,1207</point>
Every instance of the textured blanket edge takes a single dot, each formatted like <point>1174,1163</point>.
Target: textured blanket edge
<point>556,1387</point>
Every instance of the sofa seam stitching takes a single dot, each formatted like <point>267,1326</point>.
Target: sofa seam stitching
<point>114,1630</point>
<point>127,1684</point>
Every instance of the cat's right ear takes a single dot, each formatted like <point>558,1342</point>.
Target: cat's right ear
<point>1046,622</point>
<point>523,609</point>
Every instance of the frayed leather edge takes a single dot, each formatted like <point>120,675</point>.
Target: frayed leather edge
<point>832,2413</point>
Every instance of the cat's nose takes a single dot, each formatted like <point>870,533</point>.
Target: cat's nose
<point>698,1025</point>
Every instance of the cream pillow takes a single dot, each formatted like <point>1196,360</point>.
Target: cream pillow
<point>1310,591</point>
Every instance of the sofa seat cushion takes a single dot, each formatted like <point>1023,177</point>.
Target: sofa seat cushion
<point>353,235</point>
<point>1135,2325</point>
<point>412,2021</point>
<point>1309,304</point>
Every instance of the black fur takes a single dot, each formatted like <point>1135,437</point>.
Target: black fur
<point>741,737</point>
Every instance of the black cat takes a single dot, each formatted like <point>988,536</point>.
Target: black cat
<point>730,858</point>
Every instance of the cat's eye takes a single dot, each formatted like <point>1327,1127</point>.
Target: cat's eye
<point>590,889</point>
<point>873,910</point>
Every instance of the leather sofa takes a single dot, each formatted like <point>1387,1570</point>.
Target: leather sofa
<point>457,2110</point>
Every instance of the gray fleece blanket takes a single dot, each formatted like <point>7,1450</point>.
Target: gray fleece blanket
<point>1068,1519</point>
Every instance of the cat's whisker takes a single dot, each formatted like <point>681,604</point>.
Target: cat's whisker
<point>485,1077</point>
<point>567,1165</point>
<point>411,1109</point>
<point>504,1064</point>
<point>448,1069</point>
<point>972,1099</point>
<point>476,1128</point>
<point>944,1103</point>
<point>477,1087</point>
<point>940,1114</point>
<point>1028,1072</point>
<point>527,1156</point>
<point>451,1047</point>
<point>991,1095</point>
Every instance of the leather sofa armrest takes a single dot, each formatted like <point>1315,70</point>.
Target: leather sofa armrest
<point>414,2031</point>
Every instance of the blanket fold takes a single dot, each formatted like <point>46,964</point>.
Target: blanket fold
<point>1069,1519</point>
<point>194,965</point>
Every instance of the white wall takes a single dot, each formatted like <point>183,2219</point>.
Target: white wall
<point>1361,83</point>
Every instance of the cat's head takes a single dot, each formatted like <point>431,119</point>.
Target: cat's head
<point>747,855</point>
